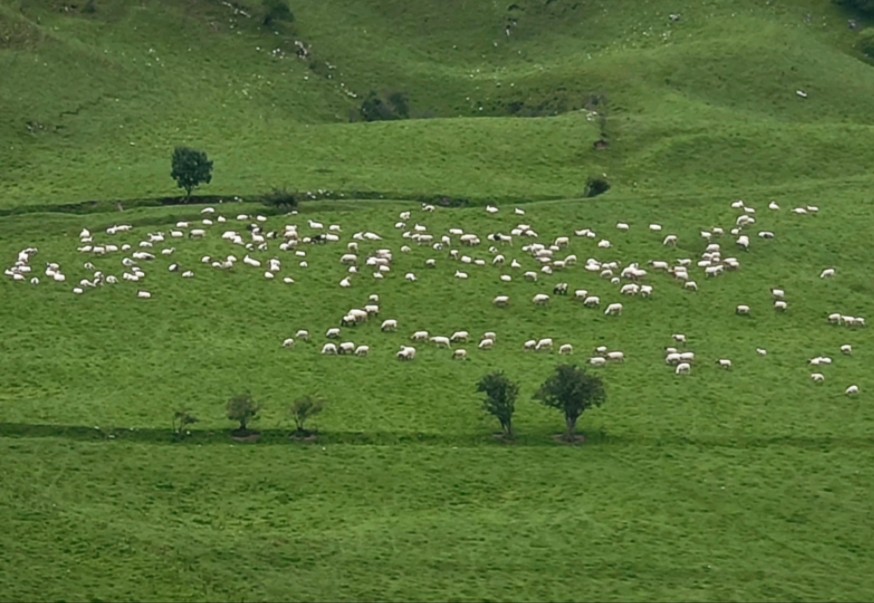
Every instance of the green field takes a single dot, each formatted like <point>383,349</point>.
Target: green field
<point>723,485</point>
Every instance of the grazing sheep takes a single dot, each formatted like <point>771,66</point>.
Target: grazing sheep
<point>544,344</point>
<point>566,349</point>
<point>501,301</point>
<point>827,273</point>
<point>679,337</point>
<point>332,333</point>
<point>459,354</point>
<point>761,351</point>
<point>329,349</point>
<point>419,336</point>
<point>302,334</point>
<point>852,390</point>
<point>362,350</point>
<point>347,347</point>
<point>530,344</point>
<point>743,310</point>
<point>406,353</point>
<point>684,368</point>
<point>459,337</point>
<point>817,377</point>
<point>598,361</point>
<point>592,301</point>
<point>143,294</point>
<point>541,299</point>
<point>780,305</point>
<point>847,349</point>
<point>724,363</point>
<point>486,344</point>
<point>389,325</point>
<point>613,310</point>
<point>288,343</point>
<point>616,356</point>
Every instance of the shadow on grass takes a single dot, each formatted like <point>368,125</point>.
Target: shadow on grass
<point>272,437</point>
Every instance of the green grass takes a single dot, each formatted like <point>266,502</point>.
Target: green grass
<point>749,484</point>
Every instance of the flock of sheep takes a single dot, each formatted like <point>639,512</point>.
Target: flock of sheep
<point>456,246</point>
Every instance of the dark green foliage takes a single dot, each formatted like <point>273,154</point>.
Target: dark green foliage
<point>181,419</point>
<point>375,108</point>
<point>863,6</point>
<point>865,43</point>
<point>275,11</point>
<point>242,408</point>
<point>304,409</point>
<point>500,399</point>
<point>596,185</point>
<point>280,198</point>
<point>90,7</point>
<point>191,168</point>
<point>572,391</point>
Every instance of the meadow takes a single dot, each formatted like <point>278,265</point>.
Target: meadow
<point>748,484</point>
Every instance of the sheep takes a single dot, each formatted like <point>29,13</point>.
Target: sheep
<point>598,361</point>
<point>490,335</point>
<point>629,289</point>
<point>743,310</point>
<point>613,310</point>
<point>530,276</point>
<point>461,275</point>
<point>780,305</point>
<point>288,343</point>
<point>506,278</point>
<point>655,227</point>
<point>459,354</point>
<point>827,273</point>
<point>761,351</point>
<point>544,344</point>
<point>566,349</point>
<point>486,344</point>
<point>389,325</point>
<point>459,337</point>
<point>724,363</point>
<point>406,353</point>
<point>622,226</point>
<point>143,294</point>
<point>560,289</point>
<point>329,349</point>
<point>673,358</point>
<point>530,344</point>
<point>419,336</point>
<point>670,241</point>
<point>332,333</point>
<point>410,277</point>
<point>817,377</point>
<point>684,368</point>
<point>678,337</point>
<point>347,347</point>
<point>773,206</point>
<point>616,356</point>
<point>362,350</point>
<point>778,293</point>
<point>581,294</point>
<point>541,299</point>
<point>440,341</point>
<point>847,349</point>
<point>302,334</point>
<point>430,263</point>
<point>501,301</point>
<point>592,301</point>
<point>852,390</point>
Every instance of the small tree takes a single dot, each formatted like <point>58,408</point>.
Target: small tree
<point>280,198</point>
<point>573,391</point>
<point>500,399</point>
<point>191,168</point>
<point>276,10</point>
<point>182,419</point>
<point>243,408</point>
<point>304,409</point>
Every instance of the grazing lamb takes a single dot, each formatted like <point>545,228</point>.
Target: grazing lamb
<point>440,341</point>
<point>362,350</point>
<point>419,336</point>
<point>459,354</point>
<point>780,305</point>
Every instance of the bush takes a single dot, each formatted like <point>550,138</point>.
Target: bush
<point>181,420</point>
<point>865,43</point>
<point>596,185</point>
<point>242,408</point>
<point>500,399</point>
<point>375,108</point>
<point>276,10</point>
<point>863,6</point>
<point>280,198</point>
<point>304,409</point>
<point>191,168</point>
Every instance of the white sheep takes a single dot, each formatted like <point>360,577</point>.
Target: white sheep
<point>761,351</point>
<point>847,349</point>
<point>613,310</point>
<point>332,333</point>
<point>827,273</point>
<point>486,344</point>
<point>143,294</point>
<point>459,336</point>
<point>459,354</point>
<point>288,343</point>
<point>742,309</point>
<point>616,356</point>
<point>302,334</point>
<point>544,344</point>
<point>406,353</point>
<point>501,301</point>
<point>566,349</point>
<point>780,305</point>
<point>389,324</point>
<point>541,299</point>
<point>419,336</point>
<point>362,350</point>
<point>347,347</point>
<point>329,349</point>
<point>817,377</point>
<point>724,363</point>
<point>684,368</point>
<point>598,361</point>
<point>592,301</point>
<point>852,390</point>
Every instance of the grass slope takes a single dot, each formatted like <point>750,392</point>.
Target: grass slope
<point>750,484</point>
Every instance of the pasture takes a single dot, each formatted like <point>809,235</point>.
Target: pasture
<point>748,483</point>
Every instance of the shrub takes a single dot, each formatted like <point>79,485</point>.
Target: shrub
<point>500,399</point>
<point>182,419</point>
<point>275,11</point>
<point>304,409</point>
<point>375,108</point>
<point>596,185</point>
<point>242,408</point>
<point>280,198</point>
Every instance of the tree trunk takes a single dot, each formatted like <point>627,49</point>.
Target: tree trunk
<point>508,429</point>
<point>571,427</point>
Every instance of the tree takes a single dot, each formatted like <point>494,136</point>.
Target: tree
<point>500,399</point>
<point>573,391</point>
<point>191,168</point>
<point>865,42</point>
<point>182,419</point>
<point>243,408</point>
<point>276,10</point>
<point>304,409</point>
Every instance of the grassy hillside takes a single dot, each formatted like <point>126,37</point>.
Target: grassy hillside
<point>723,485</point>
<point>94,103</point>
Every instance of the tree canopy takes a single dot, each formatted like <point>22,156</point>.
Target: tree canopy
<point>571,390</point>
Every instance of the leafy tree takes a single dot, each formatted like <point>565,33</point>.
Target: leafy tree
<point>243,408</point>
<point>280,198</point>
<point>865,42</point>
<point>304,409</point>
<point>182,419</point>
<point>191,168</point>
<point>572,391</point>
<point>863,6</point>
<point>276,10</point>
<point>500,399</point>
